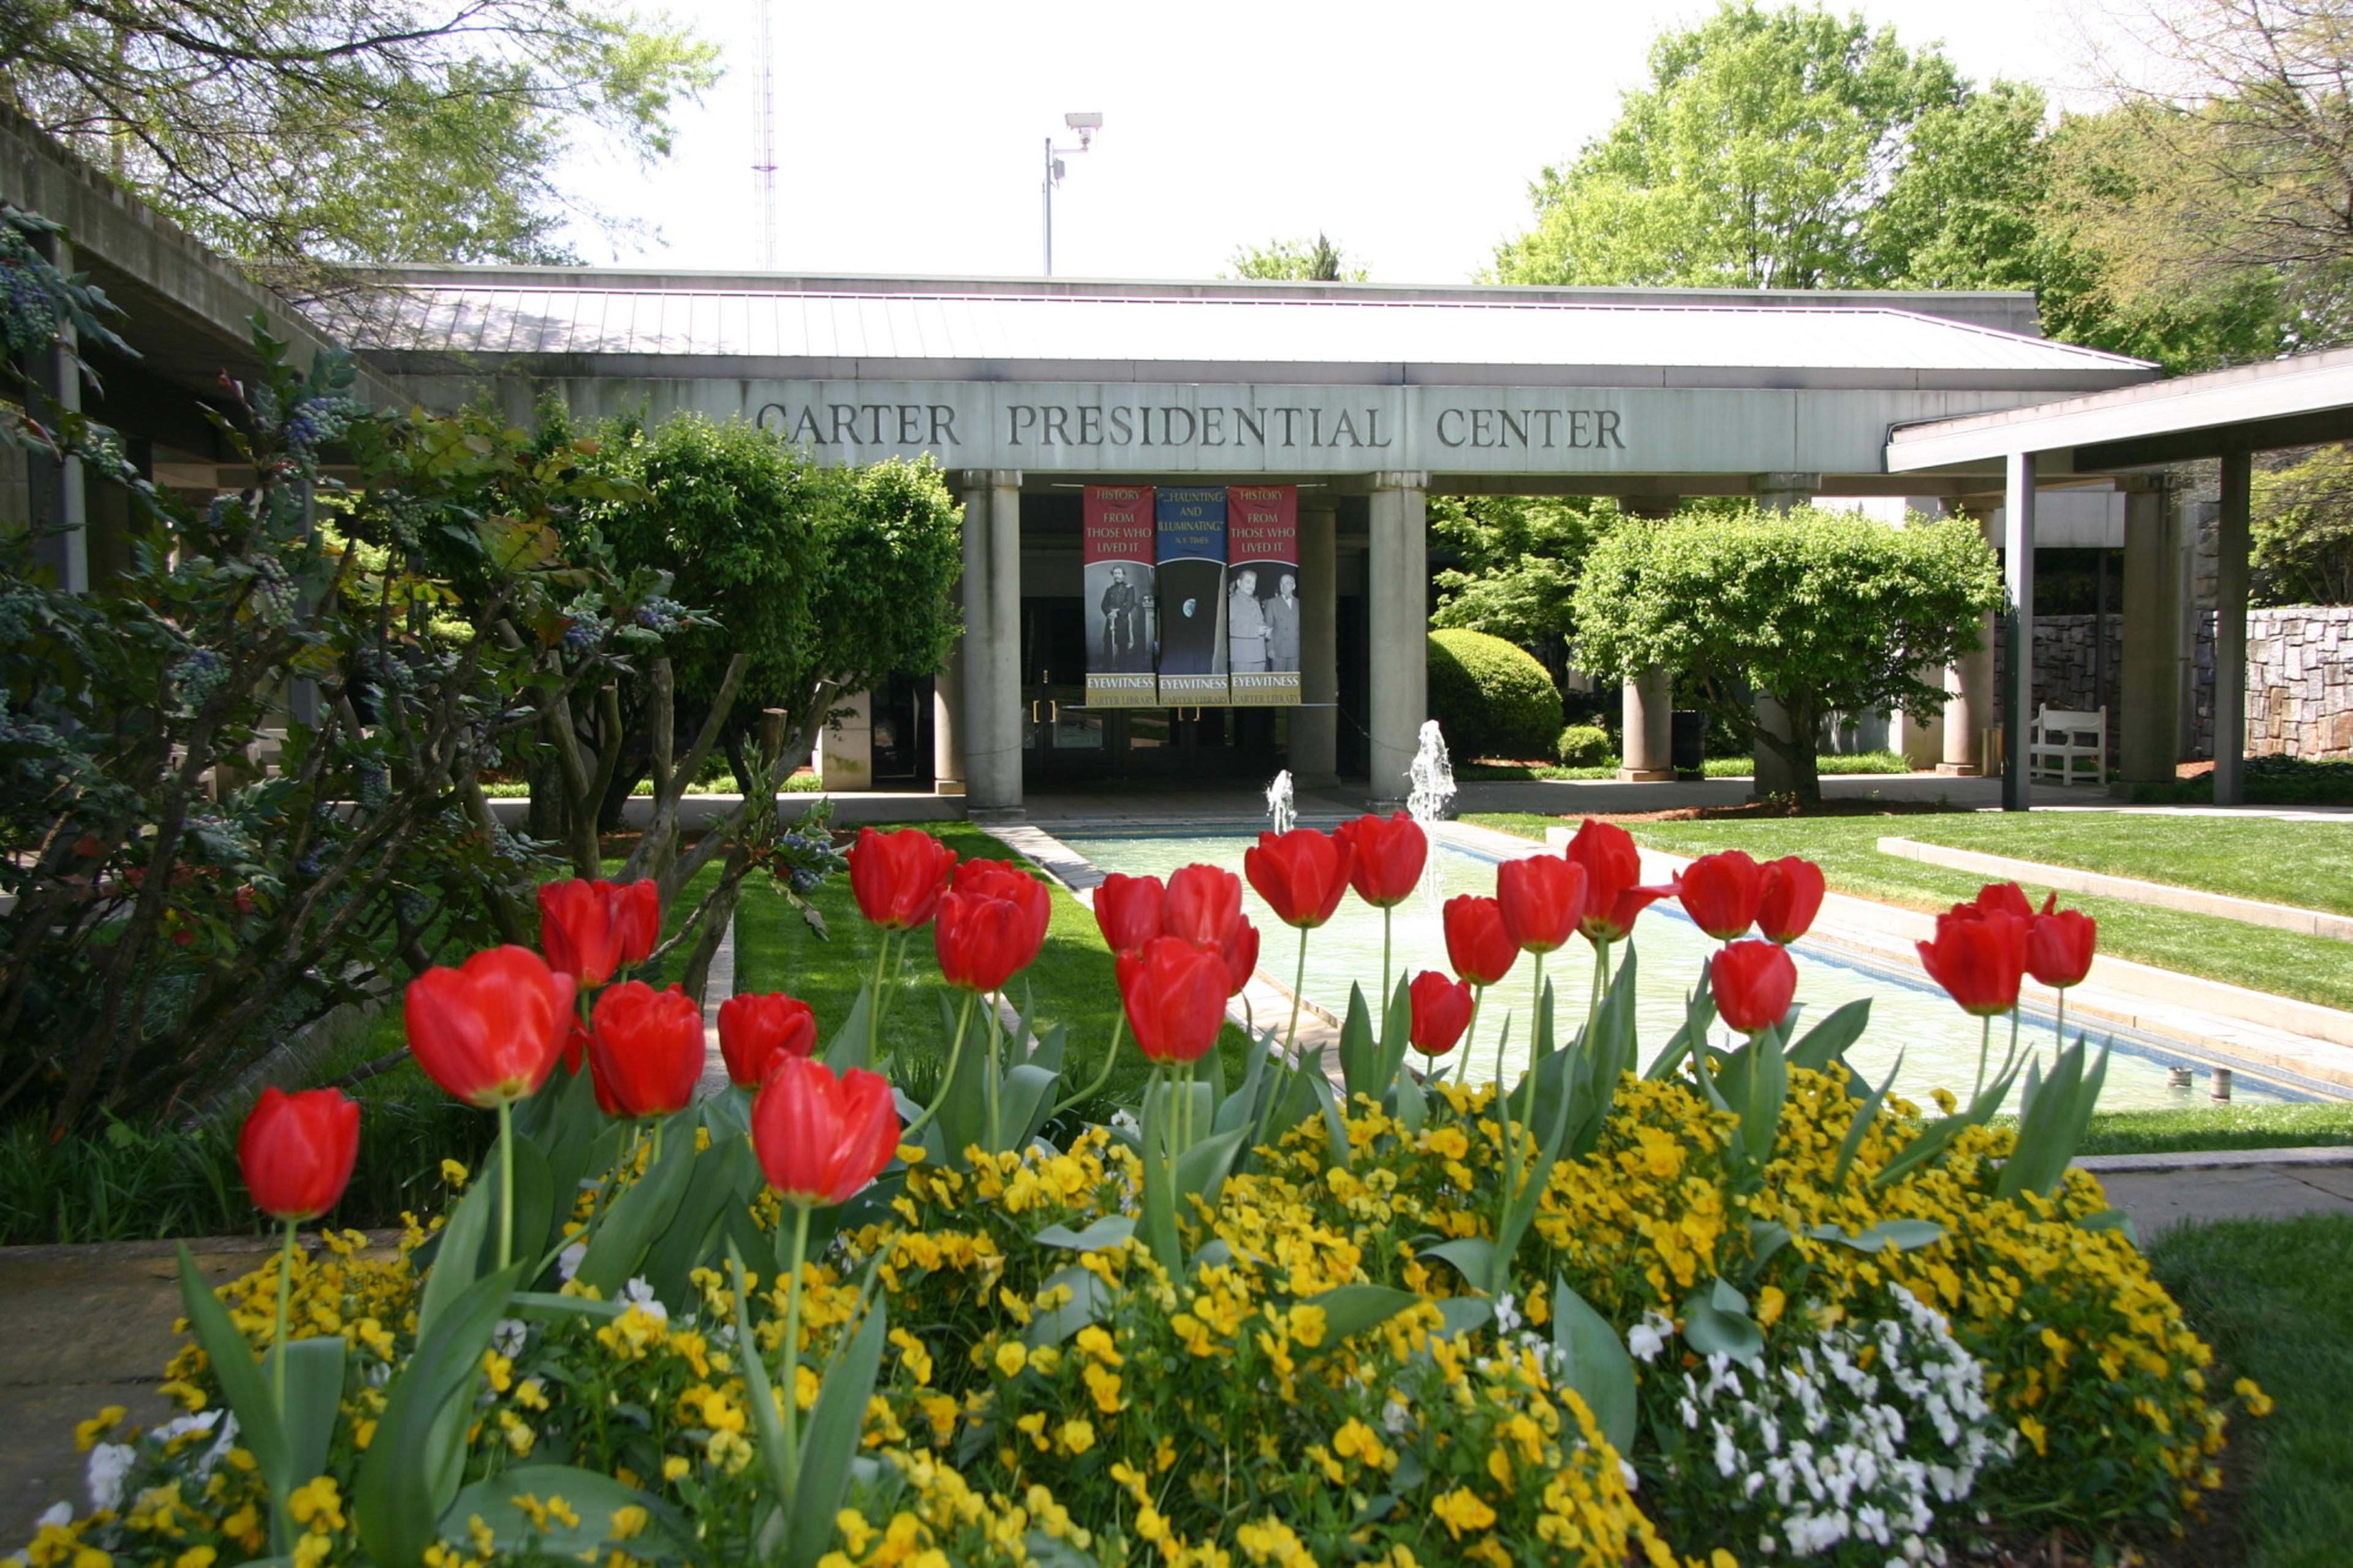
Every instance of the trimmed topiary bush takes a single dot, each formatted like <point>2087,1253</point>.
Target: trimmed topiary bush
<point>1584,746</point>
<point>1492,698</point>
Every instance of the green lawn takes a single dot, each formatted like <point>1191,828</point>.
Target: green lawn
<point>2310,968</point>
<point>2172,1131</point>
<point>1071,983</point>
<point>1715,768</point>
<point>2304,863</point>
<point>2270,1296</point>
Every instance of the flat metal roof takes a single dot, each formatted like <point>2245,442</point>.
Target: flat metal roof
<point>1040,329</point>
<point>2298,401</point>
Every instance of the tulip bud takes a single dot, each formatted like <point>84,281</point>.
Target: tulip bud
<point>821,1137</point>
<point>296,1152</point>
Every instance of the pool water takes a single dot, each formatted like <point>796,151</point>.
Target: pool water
<point>1938,1042</point>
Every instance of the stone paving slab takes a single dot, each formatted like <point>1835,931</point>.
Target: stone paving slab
<point>2158,1200</point>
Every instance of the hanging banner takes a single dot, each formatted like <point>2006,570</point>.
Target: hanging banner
<point>1190,522</point>
<point>1263,605</point>
<point>1117,549</point>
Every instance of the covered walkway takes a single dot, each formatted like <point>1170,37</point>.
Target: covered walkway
<point>2129,436</point>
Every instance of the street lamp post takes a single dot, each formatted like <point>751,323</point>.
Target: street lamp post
<point>1086,124</point>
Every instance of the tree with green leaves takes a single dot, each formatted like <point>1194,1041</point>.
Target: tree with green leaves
<point>1515,563</point>
<point>1823,611</point>
<point>2302,518</point>
<point>1753,158</point>
<point>352,130</point>
<point>1297,261</point>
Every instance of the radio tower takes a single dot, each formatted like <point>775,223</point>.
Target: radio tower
<point>763,143</point>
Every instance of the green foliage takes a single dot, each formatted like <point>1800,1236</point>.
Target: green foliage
<point>1584,746</point>
<point>1753,158</point>
<point>2276,780</point>
<point>1517,558</point>
<point>1821,610</point>
<point>2304,531</point>
<point>1296,261</point>
<point>1492,698</point>
<point>371,130</point>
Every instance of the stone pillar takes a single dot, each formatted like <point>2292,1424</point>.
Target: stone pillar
<point>1398,610</point>
<point>2233,544</point>
<point>990,723</point>
<point>948,710</point>
<point>1778,492</point>
<point>1969,695</point>
<point>54,489</point>
<point>844,747</point>
<point>2018,573</point>
<point>1646,706</point>
<point>1315,725</point>
<point>2149,686</point>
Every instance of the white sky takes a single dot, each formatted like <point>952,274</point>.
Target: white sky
<point>910,137</point>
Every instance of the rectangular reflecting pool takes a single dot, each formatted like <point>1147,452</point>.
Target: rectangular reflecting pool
<point>1939,1042</point>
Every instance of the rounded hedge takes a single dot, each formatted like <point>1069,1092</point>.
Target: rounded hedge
<point>1585,746</point>
<point>1490,698</point>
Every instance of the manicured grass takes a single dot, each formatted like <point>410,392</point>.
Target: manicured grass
<point>1072,983</point>
<point>2309,968</point>
<point>2270,1296</point>
<point>2303,863</point>
<point>2218,1127</point>
<point>1715,768</point>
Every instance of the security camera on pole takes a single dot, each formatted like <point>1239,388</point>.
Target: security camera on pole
<point>1086,124</point>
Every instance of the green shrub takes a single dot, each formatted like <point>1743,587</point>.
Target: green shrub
<point>1584,746</point>
<point>1491,698</point>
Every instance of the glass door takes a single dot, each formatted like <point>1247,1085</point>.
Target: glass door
<point>1062,740</point>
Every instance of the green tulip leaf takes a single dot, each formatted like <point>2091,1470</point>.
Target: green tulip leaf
<point>457,1262</point>
<point>1717,1323</point>
<point>832,1440</point>
<point>1827,1041</point>
<point>1350,1310</point>
<point>1887,1235</point>
<point>595,1499</point>
<point>314,1396</point>
<point>758,1392</point>
<point>1594,1362</point>
<point>1090,1299</point>
<point>1110,1230</point>
<point>618,1243</point>
<point>259,1431</point>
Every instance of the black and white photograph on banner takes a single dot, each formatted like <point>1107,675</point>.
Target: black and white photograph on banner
<point>1190,522</point>
<point>1117,549</point>
<point>1263,605</point>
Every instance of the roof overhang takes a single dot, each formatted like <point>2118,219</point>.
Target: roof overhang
<point>2297,402</point>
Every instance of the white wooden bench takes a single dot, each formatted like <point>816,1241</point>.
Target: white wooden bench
<point>2060,738</point>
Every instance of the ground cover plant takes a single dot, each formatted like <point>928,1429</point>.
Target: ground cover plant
<point>1377,1316</point>
<point>2309,968</point>
<point>2268,780</point>
<point>1828,764</point>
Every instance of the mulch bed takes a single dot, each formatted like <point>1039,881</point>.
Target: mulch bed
<point>2211,1541</point>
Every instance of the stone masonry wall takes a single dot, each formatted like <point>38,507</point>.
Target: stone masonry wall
<point>2300,683</point>
<point>2066,667</point>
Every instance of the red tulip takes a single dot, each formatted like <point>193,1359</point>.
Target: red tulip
<point>1441,1011</point>
<point>898,878</point>
<point>1301,874</point>
<point>297,1150</point>
<point>2004,897</point>
<point>754,1029</point>
<point>982,940</point>
<point>575,1046</point>
<point>588,929</point>
<point>821,1137</point>
<point>1129,910</point>
<point>1753,983</point>
<point>2059,944</point>
<point>647,1048</point>
<point>1003,879</point>
<point>491,1030</point>
<point>1175,993</point>
<point>1204,902</point>
<point>1481,949</point>
<point>1386,854</point>
<point>1721,892</point>
<point>1542,900</point>
<point>1978,957</point>
<point>1792,897</point>
<point>1613,869</point>
<point>1239,952</point>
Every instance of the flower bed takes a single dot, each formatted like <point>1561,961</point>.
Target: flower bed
<point>1733,1308</point>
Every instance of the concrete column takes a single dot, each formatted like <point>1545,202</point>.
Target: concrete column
<point>1778,492</point>
<point>1969,696</point>
<point>1399,611</point>
<point>845,748</point>
<point>1646,706</point>
<point>2234,543</point>
<point>54,489</point>
<point>2148,693</point>
<point>1316,726</point>
<point>2018,571</point>
<point>947,712</point>
<point>990,721</point>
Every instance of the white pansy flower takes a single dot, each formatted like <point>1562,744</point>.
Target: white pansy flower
<point>109,1463</point>
<point>638,1293</point>
<point>567,1262</point>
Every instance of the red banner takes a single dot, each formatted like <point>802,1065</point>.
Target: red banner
<point>1262,551</point>
<point>1117,548</point>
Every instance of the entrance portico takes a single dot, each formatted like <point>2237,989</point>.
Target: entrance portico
<point>1367,399</point>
